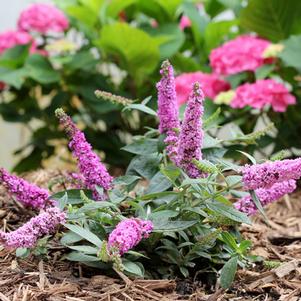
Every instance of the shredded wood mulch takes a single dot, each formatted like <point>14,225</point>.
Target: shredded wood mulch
<point>278,277</point>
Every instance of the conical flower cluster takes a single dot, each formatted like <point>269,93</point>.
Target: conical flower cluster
<point>128,233</point>
<point>27,235</point>
<point>265,196</point>
<point>184,147</point>
<point>26,193</point>
<point>89,164</point>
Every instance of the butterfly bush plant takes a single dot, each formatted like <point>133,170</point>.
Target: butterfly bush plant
<point>174,212</point>
<point>56,56</point>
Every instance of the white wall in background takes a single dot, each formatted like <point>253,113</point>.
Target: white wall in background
<point>12,135</point>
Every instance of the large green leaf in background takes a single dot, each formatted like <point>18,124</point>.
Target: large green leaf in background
<point>170,6</point>
<point>138,52</point>
<point>116,6</point>
<point>272,19</point>
<point>199,21</point>
<point>291,54</point>
<point>217,31</point>
<point>14,78</point>
<point>14,57</point>
<point>39,68</point>
<point>172,38</point>
<point>83,14</point>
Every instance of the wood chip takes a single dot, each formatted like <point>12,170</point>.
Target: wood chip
<point>286,268</point>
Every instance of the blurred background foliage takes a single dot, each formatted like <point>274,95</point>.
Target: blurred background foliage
<point>117,46</point>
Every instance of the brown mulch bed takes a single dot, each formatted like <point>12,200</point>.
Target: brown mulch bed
<point>50,278</point>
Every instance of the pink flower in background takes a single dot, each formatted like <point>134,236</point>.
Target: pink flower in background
<point>128,233</point>
<point>42,18</point>
<point>265,196</point>
<point>184,22</point>
<point>245,53</point>
<point>27,235</point>
<point>267,174</point>
<point>154,23</point>
<point>191,135</point>
<point>26,193</point>
<point>261,93</point>
<point>12,38</point>
<point>211,84</point>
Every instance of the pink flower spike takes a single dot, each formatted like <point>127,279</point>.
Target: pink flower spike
<point>128,233</point>
<point>267,174</point>
<point>168,109</point>
<point>27,235</point>
<point>244,53</point>
<point>212,85</point>
<point>89,164</point>
<point>42,18</point>
<point>262,93</point>
<point>26,193</point>
<point>191,136</point>
<point>265,196</point>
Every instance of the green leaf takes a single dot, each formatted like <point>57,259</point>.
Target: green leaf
<point>216,32</point>
<point>146,166</point>
<point>142,108</point>
<point>251,158</point>
<point>263,71</point>
<point>272,19</point>
<point>258,204</point>
<point>63,201</point>
<point>291,52</point>
<point>164,225</point>
<point>116,6</point>
<point>205,166</point>
<point>244,246</point>
<point>173,39</point>
<point>73,196</point>
<point>210,142</point>
<point>158,183</point>
<point>95,205</point>
<point>83,60</point>
<point>170,6</point>
<point>13,78</point>
<point>22,252</point>
<point>228,272</point>
<point>92,4</point>
<point>229,240</point>
<point>184,271</point>
<point>166,214</point>
<point>85,249</point>
<point>234,5</point>
<point>84,14</point>
<point>14,57</point>
<point>171,172</point>
<point>229,212</point>
<point>78,256</point>
<point>227,165</point>
<point>137,51</point>
<point>40,69</point>
<point>85,234</point>
<point>133,268</point>
<point>234,181</point>
<point>70,238</point>
<point>126,180</point>
<point>199,22</point>
<point>142,147</point>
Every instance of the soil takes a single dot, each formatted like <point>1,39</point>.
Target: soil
<point>53,279</point>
